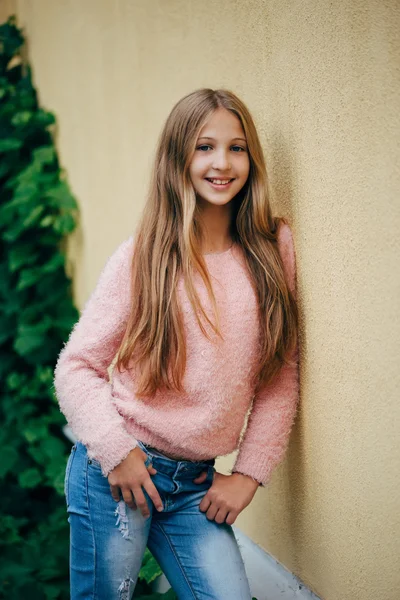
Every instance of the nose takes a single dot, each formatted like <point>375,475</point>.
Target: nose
<point>221,160</point>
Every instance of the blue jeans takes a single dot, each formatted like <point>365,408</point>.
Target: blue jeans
<point>200,558</point>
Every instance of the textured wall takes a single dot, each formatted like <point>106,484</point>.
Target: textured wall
<point>7,8</point>
<point>322,80</point>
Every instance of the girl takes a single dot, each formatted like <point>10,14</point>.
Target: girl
<point>199,307</point>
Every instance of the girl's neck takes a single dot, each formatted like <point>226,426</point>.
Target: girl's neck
<point>216,223</point>
<point>218,248</point>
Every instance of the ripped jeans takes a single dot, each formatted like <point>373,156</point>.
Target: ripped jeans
<point>200,558</point>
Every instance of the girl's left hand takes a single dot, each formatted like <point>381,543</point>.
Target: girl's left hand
<point>227,496</point>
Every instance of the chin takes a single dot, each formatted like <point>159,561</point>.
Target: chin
<point>216,201</point>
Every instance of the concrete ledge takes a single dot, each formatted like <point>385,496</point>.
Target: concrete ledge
<point>269,579</point>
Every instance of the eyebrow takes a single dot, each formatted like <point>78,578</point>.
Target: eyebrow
<point>213,139</point>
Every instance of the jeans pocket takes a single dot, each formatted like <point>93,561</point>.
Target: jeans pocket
<point>67,472</point>
<point>142,447</point>
<point>210,474</point>
<point>94,463</point>
<point>150,456</point>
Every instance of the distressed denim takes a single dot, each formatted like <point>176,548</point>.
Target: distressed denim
<point>200,558</point>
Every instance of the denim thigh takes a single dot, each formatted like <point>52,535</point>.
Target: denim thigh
<point>107,538</point>
<point>200,558</point>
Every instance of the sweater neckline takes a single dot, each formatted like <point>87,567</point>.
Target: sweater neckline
<point>223,253</point>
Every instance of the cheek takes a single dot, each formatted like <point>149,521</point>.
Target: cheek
<point>199,166</point>
<point>196,176</point>
<point>246,168</point>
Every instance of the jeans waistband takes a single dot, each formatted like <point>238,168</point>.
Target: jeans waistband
<point>187,464</point>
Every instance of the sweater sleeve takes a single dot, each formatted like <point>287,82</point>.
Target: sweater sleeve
<point>266,438</point>
<point>81,380</point>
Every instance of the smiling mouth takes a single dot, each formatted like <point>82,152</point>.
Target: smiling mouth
<point>221,182</point>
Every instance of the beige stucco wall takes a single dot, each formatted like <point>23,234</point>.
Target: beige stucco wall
<point>322,80</point>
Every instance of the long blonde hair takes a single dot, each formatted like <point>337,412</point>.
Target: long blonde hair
<point>168,243</point>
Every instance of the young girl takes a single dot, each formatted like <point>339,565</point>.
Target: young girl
<point>199,308</point>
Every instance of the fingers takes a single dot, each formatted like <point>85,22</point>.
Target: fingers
<point>201,478</point>
<point>205,503</point>
<point>218,511</point>
<point>220,516</point>
<point>127,496</point>
<point>141,501</point>
<point>212,511</point>
<point>231,518</point>
<point>154,495</point>
<point>115,492</point>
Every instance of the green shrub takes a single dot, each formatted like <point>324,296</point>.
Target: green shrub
<point>37,212</point>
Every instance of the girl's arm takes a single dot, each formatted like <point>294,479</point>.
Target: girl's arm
<point>267,434</point>
<point>81,378</point>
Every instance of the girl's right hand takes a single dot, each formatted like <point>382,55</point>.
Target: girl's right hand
<point>130,476</point>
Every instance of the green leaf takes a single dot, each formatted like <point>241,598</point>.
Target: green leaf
<point>15,231</point>
<point>44,118</point>
<point>31,337</point>
<point>30,478</point>
<point>44,155</point>
<point>150,569</point>
<point>53,447</point>
<point>52,592</point>
<point>21,255</point>
<point>44,374</point>
<point>26,191</point>
<point>47,221</point>
<point>9,457</point>
<point>5,167</point>
<point>15,381</point>
<point>7,328</point>
<point>9,526</point>
<point>56,261</point>
<point>21,118</point>
<point>62,196</point>
<point>35,431</point>
<point>57,481</point>
<point>28,277</point>
<point>33,216</point>
<point>8,144</point>
<point>64,224</point>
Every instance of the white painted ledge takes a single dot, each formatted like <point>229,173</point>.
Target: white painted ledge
<point>269,579</point>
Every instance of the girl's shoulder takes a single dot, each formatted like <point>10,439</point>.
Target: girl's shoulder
<point>284,233</point>
<point>118,262</point>
<point>123,252</point>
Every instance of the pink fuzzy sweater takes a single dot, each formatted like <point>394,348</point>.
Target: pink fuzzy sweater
<point>208,419</point>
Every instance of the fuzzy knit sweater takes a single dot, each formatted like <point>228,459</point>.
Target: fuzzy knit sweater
<point>208,420</point>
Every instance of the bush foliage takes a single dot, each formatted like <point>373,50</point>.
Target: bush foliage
<point>37,212</point>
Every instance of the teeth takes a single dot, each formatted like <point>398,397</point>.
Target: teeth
<point>220,181</point>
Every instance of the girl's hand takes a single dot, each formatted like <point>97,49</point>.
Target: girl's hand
<point>129,477</point>
<point>227,496</point>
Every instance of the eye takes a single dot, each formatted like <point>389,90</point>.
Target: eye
<point>204,148</point>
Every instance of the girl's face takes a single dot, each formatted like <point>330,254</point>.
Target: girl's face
<point>220,165</point>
